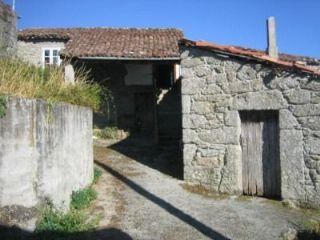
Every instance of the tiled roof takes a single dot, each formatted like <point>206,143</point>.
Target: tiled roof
<point>111,42</point>
<point>284,60</point>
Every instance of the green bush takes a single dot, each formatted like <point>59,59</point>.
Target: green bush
<point>54,224</point>
<point>83,198</point>
<point>20,79</point>
<point>96,175</point>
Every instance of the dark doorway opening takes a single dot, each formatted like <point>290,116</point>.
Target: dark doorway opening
<point>260,153</point>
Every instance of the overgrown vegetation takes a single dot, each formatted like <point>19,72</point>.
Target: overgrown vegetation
<point>83,198</point>
<point>111,132</point>
<point>75,224</point>
<point>20,79</point>
<point>55,224</point>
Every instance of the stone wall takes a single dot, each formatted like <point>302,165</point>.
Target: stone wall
<point>46,152</point>
<point>8,31</point>
<point>215,88</point>
<point>32,51</point>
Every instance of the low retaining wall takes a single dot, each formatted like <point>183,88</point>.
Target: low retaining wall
<point>46,152</point>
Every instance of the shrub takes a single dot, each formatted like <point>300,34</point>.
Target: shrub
<point>20,79</point>
<point>82,198</point>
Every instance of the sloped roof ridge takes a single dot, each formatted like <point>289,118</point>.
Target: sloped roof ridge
<point>254,54</point>
<point>138,43</point>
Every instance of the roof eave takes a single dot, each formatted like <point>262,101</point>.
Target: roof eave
<point>132,58</point>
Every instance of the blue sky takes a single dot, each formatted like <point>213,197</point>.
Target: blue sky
<point>232,22</point>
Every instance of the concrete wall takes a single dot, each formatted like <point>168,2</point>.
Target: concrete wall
<point>214,89</point>
<point>32,52</point>
<point>46,152</point>
<point>8,31</point>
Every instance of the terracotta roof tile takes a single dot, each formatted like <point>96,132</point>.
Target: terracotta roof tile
<point>111,42</point>
<point>284,60</point>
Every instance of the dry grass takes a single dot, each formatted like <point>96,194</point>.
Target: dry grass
<point>20,79</point>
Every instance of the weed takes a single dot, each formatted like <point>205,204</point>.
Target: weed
<point>83,198</point>
<point>96,175</point>
<point>20,79</point>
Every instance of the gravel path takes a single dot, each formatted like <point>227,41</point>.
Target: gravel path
<point>140,202</point>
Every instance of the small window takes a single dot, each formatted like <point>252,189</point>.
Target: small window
<point>51,56</point>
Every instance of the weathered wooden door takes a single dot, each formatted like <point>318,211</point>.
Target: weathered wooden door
<point>260,153</point>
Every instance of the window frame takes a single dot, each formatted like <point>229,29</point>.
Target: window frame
<point>51,57</point>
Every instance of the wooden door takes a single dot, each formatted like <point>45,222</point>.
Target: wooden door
<point>260,153</point>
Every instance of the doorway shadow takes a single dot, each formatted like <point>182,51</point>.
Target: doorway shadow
<point>186,218</point>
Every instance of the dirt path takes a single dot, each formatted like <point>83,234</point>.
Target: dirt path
<point>139,202</point>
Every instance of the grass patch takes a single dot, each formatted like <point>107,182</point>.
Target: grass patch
<point>55,224</point>
<point>75,224</point>
<point>21,79</point>
<point>310,230</point>
<point>83,198</point>
<point>97,173</point>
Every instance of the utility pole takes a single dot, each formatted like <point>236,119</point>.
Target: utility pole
<point>14,5</point>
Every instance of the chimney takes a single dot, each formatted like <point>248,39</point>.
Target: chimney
<point>272,40</point>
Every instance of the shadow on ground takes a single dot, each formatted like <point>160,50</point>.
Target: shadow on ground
<point>15,233</point>
<point>166,158</point>
<point>199,226</point>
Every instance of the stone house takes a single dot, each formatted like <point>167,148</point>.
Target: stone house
<point>251,122</point>
<point>248,121</point>
<point>139,66</point>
